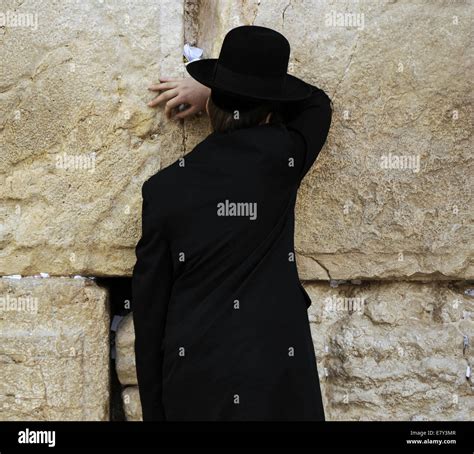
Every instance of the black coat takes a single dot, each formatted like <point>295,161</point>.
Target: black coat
<point>220,316</point>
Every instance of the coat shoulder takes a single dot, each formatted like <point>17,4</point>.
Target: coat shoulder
<point>161,181</point>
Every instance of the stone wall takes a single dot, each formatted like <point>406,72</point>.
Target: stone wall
<point>78,138</point>
<point>384,218</point>
<point>54,350</point>
<point>126,371</point>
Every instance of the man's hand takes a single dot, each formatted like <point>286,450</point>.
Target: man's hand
<point>174,92</point>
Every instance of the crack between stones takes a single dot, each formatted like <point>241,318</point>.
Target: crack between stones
<point>324,268</point>
<point>256,14</point>
<point>183,139</point>
<point>319,263</point>
<point>346,69</point>
<point>283,14</point>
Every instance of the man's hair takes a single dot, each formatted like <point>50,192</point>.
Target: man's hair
<point>223,120</point>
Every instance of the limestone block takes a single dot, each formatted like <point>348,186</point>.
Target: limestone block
<point>131,403</point>
<point>54,350</point>
<point>78,139</point>
<point>394,351</point>
<point>390,194</point>
<point>125,352</point>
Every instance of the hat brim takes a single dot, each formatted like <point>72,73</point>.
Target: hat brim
<point>203,71</point>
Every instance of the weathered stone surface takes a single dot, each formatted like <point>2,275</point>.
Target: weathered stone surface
<point>125,348</point>
<point>131,403</point>
<point>54,350</point>
<point>78,89</point>
<point>394,351</point>
<point>77,136</point>
<point>386,351</point>
<point>397,78</point>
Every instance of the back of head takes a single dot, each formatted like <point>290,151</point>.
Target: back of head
<point>228,112</point>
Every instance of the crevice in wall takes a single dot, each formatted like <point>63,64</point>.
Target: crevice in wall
<point>283,14</point>
<point>120,294</point>
<point>191,21</point>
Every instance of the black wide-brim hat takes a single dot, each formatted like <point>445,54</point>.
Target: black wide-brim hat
<point>253,63</point>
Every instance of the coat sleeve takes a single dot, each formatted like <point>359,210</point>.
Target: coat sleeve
<point>151,288</point>
<point>308,121</point>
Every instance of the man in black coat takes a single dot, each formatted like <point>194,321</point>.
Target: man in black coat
<point>220,315</point>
